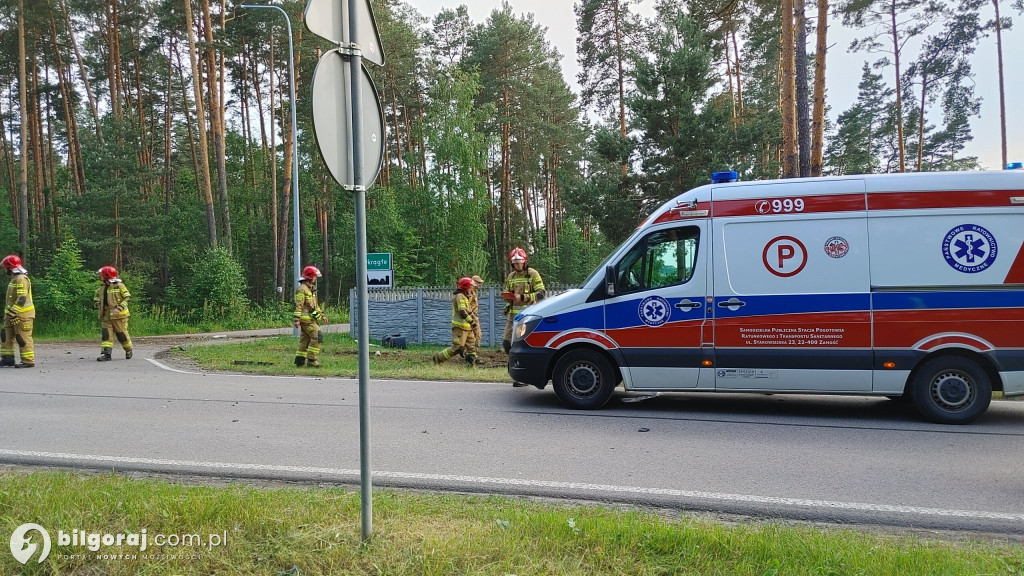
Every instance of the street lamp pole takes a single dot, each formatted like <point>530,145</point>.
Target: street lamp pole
<point>295,146</point>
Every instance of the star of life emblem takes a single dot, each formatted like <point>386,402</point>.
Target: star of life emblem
<point>654,310</point>
<point>969,248</point>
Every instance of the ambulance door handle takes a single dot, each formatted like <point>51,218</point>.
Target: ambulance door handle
<point>732,304</point>
<point>687,304</point>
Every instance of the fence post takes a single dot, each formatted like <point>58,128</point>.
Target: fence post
<point>494,314</point>
<point>352,311</point>
<point>419,315</point>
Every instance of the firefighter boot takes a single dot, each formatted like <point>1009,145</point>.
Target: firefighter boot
<point>25,365</point>
<point>471,361</point>
<point>300,361</point>
<point>127,354</point>
<point>6,360</point>
<point>104,356</point>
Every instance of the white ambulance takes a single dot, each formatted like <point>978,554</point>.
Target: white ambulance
<point>900,285</point>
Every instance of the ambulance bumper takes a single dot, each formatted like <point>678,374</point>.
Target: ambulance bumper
<point>529,365</point>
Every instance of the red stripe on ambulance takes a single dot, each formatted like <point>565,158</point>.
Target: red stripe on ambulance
<point>791,205</point>
<point>950,199</point>
<point>907,329</point>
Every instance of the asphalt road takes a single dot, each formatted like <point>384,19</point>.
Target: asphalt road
<point>822,459</point>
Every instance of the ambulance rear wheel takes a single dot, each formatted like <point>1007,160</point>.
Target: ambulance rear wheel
<point>584,379</point>
<point>951,390</point>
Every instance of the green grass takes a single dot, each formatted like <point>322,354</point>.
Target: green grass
<point>339,357</point>
<point>280,531</point>
<point>158,321</point>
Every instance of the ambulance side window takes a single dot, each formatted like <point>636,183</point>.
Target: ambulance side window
<point>662,258</point>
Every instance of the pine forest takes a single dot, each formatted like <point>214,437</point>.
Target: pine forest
<point>156,135</point>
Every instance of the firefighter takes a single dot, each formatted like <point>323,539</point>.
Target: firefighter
<point>19,316</point>
<point>308,317</point>
<point>464,324</point>
<point>474,308</point>
<point>523,286</point>
<point>111,301</point>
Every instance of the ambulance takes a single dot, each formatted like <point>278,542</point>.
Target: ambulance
<point>907,286</point>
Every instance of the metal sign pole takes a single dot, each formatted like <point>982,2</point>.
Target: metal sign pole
<point>366,480</point>
<point>338,119</point>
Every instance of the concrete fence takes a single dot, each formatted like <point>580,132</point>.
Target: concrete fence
<point>424,315</point>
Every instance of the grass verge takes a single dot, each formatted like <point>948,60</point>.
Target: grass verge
<point>339,357</point>
<point>158,321</point>
<point>293,531</point>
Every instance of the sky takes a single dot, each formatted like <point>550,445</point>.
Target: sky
<point>843,69</point>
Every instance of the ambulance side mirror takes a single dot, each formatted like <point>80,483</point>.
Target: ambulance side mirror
<point>609,280</point>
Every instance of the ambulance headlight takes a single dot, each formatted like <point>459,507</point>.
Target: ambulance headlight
<point>524,326</point>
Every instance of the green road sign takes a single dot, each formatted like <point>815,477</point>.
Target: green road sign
<point>378,261</point>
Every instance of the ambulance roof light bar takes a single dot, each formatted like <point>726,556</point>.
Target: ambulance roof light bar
<point>1015,166</point>
<point>723,177</point>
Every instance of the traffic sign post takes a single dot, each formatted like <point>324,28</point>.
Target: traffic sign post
<point>339,123</point>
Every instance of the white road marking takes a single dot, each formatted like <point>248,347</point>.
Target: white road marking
<point>311,376</point>
<point>477,480</point>
<point>168,368</point>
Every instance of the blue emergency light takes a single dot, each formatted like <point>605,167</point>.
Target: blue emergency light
<point>1015,166</point>
<point>723,177</point>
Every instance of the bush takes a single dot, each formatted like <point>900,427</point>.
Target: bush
<point>67,289</point>
<point>213,287</point>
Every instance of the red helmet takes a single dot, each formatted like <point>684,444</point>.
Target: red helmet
<point>465,283</point>
<point>107,272</point>
<point>311,273</point>
<point>517,255</point>
<point>11,262</point>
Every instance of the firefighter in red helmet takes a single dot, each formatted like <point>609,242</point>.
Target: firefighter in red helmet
<point>19,316</point>
<point>111,301</point>
<point>308,317</point>
<point>464,323</point>
<point>523,286</point>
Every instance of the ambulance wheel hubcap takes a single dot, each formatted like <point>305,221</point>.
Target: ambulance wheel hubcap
<point>952,390</point>
<point>583,380</point>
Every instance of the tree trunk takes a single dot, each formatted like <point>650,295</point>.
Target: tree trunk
<point>739,77</point>
<point>274,209</point>
<point>619,58</point>
<point>23,103</point>
<point>114,58</point>
<point>920,123</point>
<point>818,117</point>
<point>74,146</point>
<point>899,87</point>
<point>81,68</point>
<point>216,123</point>
<point>803,113</point>
<point>788,92</point>
<point>1002,91</point>
<point>203,168</point>
<point>165,268</point>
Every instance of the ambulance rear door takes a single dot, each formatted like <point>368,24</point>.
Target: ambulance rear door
<point>792,287</point>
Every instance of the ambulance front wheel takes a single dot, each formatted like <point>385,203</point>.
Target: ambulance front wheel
<point>951,390</point>
<point>584,379</point>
